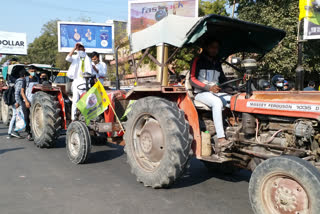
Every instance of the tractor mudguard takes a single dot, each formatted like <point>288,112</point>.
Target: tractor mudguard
<point>57,92</point>
<point>109,116</point>
<point>179,96</point>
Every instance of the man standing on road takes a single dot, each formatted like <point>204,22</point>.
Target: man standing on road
<point>21,100</point>
<point>80,64</point>
<point>30,81</point>
<point>12,124</point>
<point>99,67</point>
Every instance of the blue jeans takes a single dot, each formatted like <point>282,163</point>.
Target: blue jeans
<point>13,119</point>
<point>216,102</point>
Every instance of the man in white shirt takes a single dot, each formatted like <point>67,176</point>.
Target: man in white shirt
<point>80,64</point>
<point>99,67</point>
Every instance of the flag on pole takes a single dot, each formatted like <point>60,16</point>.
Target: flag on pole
<point>302,7</point>
<point>94,102</point>
<point>305,8</point>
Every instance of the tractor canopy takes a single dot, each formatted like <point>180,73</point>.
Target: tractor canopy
<point>234,35</point>
<point>13,70</point>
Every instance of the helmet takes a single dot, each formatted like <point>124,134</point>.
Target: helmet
<point>277,81</point>
<point>286,85</point>
<point>265,85</point>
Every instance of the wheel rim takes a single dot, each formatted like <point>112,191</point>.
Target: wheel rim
<point>4,111</point>
<point>38,120</point>
<point>282,194</point>
<point>74,144</point>
<point>148,142</point>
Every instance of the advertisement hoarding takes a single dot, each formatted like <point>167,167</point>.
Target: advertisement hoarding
<point>94,36</point>
<point>13,43</point>
<point>145,13</point>
<point>312,20</point>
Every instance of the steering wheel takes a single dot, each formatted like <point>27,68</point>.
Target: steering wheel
<point>81,89</point>
<point>230,81</point>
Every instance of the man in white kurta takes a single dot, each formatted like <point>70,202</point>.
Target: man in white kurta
<point>80,64</point>
<point>99,66</point>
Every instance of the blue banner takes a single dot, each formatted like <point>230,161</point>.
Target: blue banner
<point>94,37</point>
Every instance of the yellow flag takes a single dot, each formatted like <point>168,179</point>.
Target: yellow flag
<point>305,8</point>
<point>94,102</point>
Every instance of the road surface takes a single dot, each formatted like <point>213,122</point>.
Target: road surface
<point>44,181</point>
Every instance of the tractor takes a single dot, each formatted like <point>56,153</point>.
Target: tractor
<point>51,116</point>
<point>276,135</point>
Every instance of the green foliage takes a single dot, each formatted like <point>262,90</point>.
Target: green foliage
<point>183,59</point>
<point>283,15</point>
<point>212,6</point>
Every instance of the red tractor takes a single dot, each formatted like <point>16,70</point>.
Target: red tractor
<point>51,116</point>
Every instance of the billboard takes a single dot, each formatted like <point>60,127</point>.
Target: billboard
<point>13,43</point>
<point>312,20</point>
<point>94,36</point>
<point>145,13</point>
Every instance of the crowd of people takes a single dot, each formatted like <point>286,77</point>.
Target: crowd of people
<point>279,83</point>
<point>22,87</point>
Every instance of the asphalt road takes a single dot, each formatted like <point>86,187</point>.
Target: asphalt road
<point>45,182</point>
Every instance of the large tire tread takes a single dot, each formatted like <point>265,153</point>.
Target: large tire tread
<point>302,171</point>
<point>176,129</point>
<point>52,115</point>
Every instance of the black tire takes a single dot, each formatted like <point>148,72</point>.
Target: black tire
<point>1,98</point>
<point>45,118</point>
<point>6,113</point>
<point>225,168</point>
<point>168,157</point>
<point>78,142</point>
<point>287,184</point>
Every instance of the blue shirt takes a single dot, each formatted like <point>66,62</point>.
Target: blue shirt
<point>309,89</point>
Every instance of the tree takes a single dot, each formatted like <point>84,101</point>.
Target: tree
<point>183,59</point>
<point>212,6</point>
<point>283,15</point>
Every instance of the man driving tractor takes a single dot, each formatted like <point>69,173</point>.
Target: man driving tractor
<point>206,75</point>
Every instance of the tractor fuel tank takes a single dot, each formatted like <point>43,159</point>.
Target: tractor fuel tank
<point>298,104</point>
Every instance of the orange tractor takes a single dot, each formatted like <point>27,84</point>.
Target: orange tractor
<point>275,134</point>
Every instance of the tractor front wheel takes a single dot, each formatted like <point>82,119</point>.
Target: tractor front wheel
<point>158,142</point>
<point>285,185</point>
<point>45,119</point>
<point>78,142</point>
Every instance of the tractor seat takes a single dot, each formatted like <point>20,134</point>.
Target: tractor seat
<point>199,105</point>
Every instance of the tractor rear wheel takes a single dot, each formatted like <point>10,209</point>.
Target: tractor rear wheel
<point>285,185</point>
<point>78,142</point>
<point>158,142</point>
<point>45,119</point>
<point>6,113</point>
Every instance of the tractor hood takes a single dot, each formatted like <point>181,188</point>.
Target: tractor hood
<point>296,104</point>
<point>234,35</point>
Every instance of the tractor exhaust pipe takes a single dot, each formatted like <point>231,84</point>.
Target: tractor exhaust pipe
<point>117,70</point>
<point>299,85</point>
